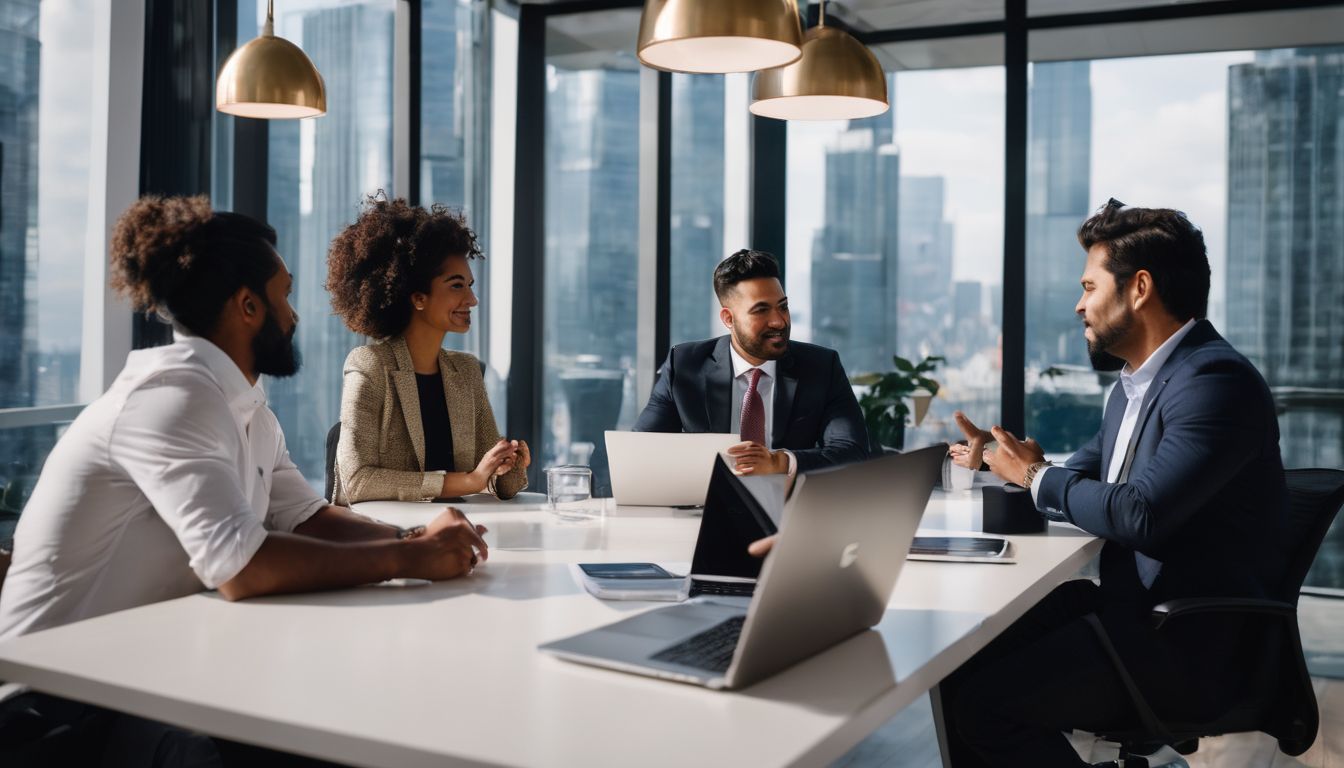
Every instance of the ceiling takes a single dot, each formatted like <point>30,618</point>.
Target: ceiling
<point>607,38</point>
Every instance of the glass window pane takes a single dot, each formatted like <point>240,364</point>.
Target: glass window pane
<point>697,205</point>
<point>319,171</point>
<point>451,110</point>
<point>1248,144</point>
<point>895,231</point>
<point>591,260</point>
<point>46,93</point>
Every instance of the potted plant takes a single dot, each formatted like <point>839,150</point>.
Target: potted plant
<point>885,407</point>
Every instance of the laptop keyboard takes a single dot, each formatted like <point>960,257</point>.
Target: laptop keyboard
<point>710,650</point>
<point>722,588</point>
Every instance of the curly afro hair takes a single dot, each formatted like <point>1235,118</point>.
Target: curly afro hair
<point>393,250</point>
<point>176,257</point>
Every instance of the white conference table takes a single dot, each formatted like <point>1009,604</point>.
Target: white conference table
<point>448,673</point>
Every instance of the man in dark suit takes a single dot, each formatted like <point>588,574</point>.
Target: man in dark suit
<point>1185,483</point>
<point>791,402</point>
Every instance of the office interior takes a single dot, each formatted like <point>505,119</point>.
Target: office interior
<point>604,193</point>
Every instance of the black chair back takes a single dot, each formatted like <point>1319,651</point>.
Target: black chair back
<point>333,439</point>
<point>1314,498</point>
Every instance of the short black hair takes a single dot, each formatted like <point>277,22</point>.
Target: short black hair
<point>746,264</point>
<point>1161,241</point>
<point>180,259</point>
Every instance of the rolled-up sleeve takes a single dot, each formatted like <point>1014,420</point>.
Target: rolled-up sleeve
<point>178,442</point>
<point>292,499</point>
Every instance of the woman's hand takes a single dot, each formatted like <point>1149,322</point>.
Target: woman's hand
<point>496,461</point>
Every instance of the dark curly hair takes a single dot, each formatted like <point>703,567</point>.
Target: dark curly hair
<point>392,250</point>
<point>1159,240</point>
<point>176,257</point>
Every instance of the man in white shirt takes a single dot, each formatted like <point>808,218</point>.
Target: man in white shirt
<point>177,478</point>
<point>1185,483</point>
<point>790,402</point>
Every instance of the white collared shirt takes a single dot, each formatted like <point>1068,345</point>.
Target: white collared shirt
<point>765,387</point>
<point>1135,384</point>
<point>163,486</point>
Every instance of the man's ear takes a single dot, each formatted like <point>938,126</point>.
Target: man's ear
<point>726,317</point>
<point>250,307</point>
<point>1141,288</point>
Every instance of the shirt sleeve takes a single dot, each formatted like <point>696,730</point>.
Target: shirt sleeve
<point>1050,514</point>
<point>292,499</point>
<point>176,439</point>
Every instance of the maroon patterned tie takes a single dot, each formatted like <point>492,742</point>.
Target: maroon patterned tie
<point>753,411</point>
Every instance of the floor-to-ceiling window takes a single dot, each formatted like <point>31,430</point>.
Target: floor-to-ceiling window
<point>46,105</point>
<point>592,237</point>
<point>1249,145</point>
<point>895,237</point>
<point>320,170</point>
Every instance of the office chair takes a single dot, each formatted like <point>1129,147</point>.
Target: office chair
<point>1276,696</point>
<point>333,438</point>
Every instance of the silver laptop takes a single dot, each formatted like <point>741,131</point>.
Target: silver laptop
<point>663,469</point>
<point>841,546</point>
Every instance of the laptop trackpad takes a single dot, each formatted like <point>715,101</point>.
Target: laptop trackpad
<point>675,621</point>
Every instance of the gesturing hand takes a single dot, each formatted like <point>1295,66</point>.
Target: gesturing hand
<point>970,455</point>
<point>1013,456</point>
<point>497,460</point>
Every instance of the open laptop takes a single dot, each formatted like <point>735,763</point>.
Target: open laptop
<point>663,469</point>
<point>841,546</point>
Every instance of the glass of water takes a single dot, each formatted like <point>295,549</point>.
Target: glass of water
<point>569,491</point>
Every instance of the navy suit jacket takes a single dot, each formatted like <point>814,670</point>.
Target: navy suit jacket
<point>1205,493</point>
<point>815,414</point>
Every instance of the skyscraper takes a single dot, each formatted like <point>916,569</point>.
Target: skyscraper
<point>1285,239</point>
<point>1058,187</point>
<point>855,265</point>
<point>697,205</point>
<point>20,56</point>
<point>924,282</point>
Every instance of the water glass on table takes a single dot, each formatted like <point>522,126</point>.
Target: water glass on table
<point>569,492</point>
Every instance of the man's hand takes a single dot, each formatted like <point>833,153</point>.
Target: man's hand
<point>755,459</point>
<point>762,547</point>
<point>450,546</point>
<point>1013,456</point>
<point>970,455</point>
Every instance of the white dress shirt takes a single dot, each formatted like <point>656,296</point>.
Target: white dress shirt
<point>765,388</point>
<point>1135,384</point>
<point>163,486</point>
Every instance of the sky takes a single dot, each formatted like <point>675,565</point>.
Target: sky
<point>1159,139</point>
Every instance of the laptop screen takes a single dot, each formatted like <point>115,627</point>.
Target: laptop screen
<point>732,520</point>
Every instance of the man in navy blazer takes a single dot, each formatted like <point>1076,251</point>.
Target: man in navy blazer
<point>801,413</point>
<point>1185,483</point>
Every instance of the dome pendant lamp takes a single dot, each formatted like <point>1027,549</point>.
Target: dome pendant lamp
<point>719,36</point>
<point>837,78</point>
<point>270,78</point>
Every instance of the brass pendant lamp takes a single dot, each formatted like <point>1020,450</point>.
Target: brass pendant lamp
<point>719,36</point>
<point>837,78</point>
<point>270,78</point>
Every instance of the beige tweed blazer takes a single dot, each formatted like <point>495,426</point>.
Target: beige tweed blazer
<point>381,453</point>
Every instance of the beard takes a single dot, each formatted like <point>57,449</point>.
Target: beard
<point>1099,350</point>
<point>763,345</point>
<point>273,350</point>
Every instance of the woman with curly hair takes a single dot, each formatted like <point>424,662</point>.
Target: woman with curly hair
<point>415,420</point>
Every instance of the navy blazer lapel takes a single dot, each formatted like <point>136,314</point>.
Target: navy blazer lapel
<point>718,387</point>
<point>786,386</point>
<point>1115,413</point>
<point>1199,335</point>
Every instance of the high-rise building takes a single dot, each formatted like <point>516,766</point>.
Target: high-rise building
<point>315,189</point>
<point>697,205</point>
<point>20,56</point>
<point>1285,239</point>
<point>855,265</point>
<point>1058,188</point>
<point>924,283</point>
